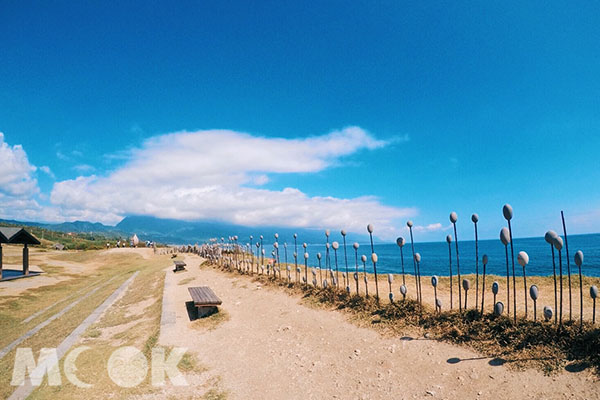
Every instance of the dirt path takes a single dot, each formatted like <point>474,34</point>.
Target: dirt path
<point>273,347</point>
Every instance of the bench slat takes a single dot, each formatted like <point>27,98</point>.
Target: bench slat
<point>203,295</point>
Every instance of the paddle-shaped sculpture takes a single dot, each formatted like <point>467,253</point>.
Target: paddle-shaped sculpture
<point>534,292</point>
<point>403,291</point>
<point>579,262</point>
<point>363,258</point>
<point>523,259</point>
<point>343,232</point>
<point>409,224</point>
<point>475,219</point>
<point>374,260</point>
<point>400,242</point>
<point>336,246</point>
<point>306,268</point>
<point>495,289</point>
<point>276,245</point>
<point>390,280</point>
<point>507,211</point>
<point>418,261</point>
<point>498,308</point>
<point>257,257</point>
<point>356,246</point>
<point>434,283</point>
<point>484,261</point>
<point>505,239</point>
<point>262,260</point>
<point>449,241</point>
<point>549,238</point>
<point>251,248</point>
<point>453,219</point>
<point>558,245</point>
<point>548,313</point>
<point>466,286</point>
<point>320,273</point>
<point>296,250</point>
<point>327,259</point>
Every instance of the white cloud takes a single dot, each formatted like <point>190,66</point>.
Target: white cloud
<point>46,169</point>
<point>17,174</point>
<point>429,228</point>
<point>83,168</point>
<point>210,174</point>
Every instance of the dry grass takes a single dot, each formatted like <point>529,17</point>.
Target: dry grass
<point>522,345</point>
<point>186,281</point>
<point>212,321</point>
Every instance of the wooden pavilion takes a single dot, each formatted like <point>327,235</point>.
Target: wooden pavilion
<point>14,235</point>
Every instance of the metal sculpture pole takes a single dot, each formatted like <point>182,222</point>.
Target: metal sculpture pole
<point>356,246</point>
<point>558,244</point>
<point>363,258</point>
<point>327,259</point>
<point>412,245</point>
<point>251,261</point>
<point>306,268</point>
<point>336,246</point>
<point>374,259</point>
<point>579,262</point>
<point>391,294</point>
<point>434,283</point>
<point>508,214</point>
<point>453,219</point>
<point>295,250</point>
<point>276,245</point>
<point>562,216</point>
<point>320,273</point>
<point>285,253</point>
<point>523,259</point>
<point>484,261</point>
<point>475,219</point>
<point>505,239</point>
<point>257,256</point>
<point>449,241</point>
<point>593,295</point>
<point>343,232</point>
<point>549,238</point>
<point>534,292</point>
<point>400,242</point>
<point>262,261</point>
<point>418,261</point>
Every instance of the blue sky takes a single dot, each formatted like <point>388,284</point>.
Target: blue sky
<point>460,106</point>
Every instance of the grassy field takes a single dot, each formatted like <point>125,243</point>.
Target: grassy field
<point>134,320</point>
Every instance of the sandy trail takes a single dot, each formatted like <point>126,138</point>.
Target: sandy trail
<point>273,347</point>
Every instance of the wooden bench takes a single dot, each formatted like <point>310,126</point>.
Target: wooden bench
<point>205,300</point>
<point>179,266</point>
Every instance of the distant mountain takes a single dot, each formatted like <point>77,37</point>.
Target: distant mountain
<point>172,231</point>
<point>75,226</point>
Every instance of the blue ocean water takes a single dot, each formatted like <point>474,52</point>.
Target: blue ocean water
<point>434,256</point>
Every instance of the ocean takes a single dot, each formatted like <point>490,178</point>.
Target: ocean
<point>434,256</point>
